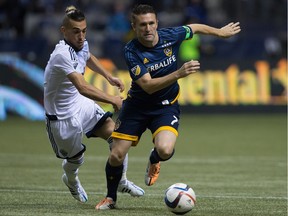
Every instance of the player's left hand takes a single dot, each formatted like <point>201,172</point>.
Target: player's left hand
<point>230,30</point>
<point>114,81</point>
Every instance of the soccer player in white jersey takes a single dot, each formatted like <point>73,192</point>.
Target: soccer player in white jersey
<point>69,101</point>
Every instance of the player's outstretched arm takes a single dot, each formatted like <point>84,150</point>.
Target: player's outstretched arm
<point>93,92</point>
<point>94,64</point>
<point>224,32</point>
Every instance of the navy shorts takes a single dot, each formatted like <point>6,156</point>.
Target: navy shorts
<point>134,120</point>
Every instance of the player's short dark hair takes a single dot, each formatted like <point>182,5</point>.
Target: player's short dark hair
<point>72,13</point>
<point>141,9</point>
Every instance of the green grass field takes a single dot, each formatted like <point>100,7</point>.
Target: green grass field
<point>236,164</point>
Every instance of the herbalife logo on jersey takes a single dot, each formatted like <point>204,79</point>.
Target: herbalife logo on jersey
<point>162,64</point>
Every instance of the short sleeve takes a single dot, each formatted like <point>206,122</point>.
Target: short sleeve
<point>63,63</point>
<point>179,33</point>
<point>189,32</point>
<point>136,68</point>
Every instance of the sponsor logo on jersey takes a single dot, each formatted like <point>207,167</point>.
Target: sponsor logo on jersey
<point>162,64</point>
<point>145,61</point>
<point>168,51</point>
<point>136,70</point>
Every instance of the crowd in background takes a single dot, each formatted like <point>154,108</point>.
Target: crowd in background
<point>31,27</point>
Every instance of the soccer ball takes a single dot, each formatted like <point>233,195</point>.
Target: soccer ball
<point>180,198</point>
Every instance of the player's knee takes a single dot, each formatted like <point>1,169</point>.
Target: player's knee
<point>166,154</point>
<point>106,129</point>
<point>79,159</point>
<point>116,158</point>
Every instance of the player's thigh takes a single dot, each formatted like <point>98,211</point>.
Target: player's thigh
<point>165,141</point>
<point>95,121</point>
<point>165,119</point>
<point>65,137</point>
<point>105,130</point>
<point>131,124</point>
<point>164,127</point>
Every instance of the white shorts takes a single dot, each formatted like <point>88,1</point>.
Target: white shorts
<point>66,135</point>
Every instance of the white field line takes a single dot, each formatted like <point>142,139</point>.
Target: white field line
<point>175,160</point>
<point>156,194</point>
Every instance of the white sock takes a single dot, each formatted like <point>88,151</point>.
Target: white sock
<point>71,168</point>
<point>125,167</point>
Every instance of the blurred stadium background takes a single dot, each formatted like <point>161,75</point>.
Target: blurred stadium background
<point>245,73</point>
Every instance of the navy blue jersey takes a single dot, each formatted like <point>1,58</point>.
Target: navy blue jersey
<point>159,61</point>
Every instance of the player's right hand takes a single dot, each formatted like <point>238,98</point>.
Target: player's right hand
<point>114,81</point>
<point>188,68</point>
<point>230,30</point>
<point>117,103</point>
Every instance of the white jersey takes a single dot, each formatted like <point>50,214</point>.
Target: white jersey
<point>61,98</point>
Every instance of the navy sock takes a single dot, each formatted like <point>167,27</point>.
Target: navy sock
<point>155,158</point>
<point>113,177</point>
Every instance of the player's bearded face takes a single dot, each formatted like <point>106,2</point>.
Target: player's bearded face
<point>75,33</point>
<point>145,27</point>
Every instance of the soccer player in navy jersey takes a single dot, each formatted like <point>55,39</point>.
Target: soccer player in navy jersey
<point>152,99</point>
